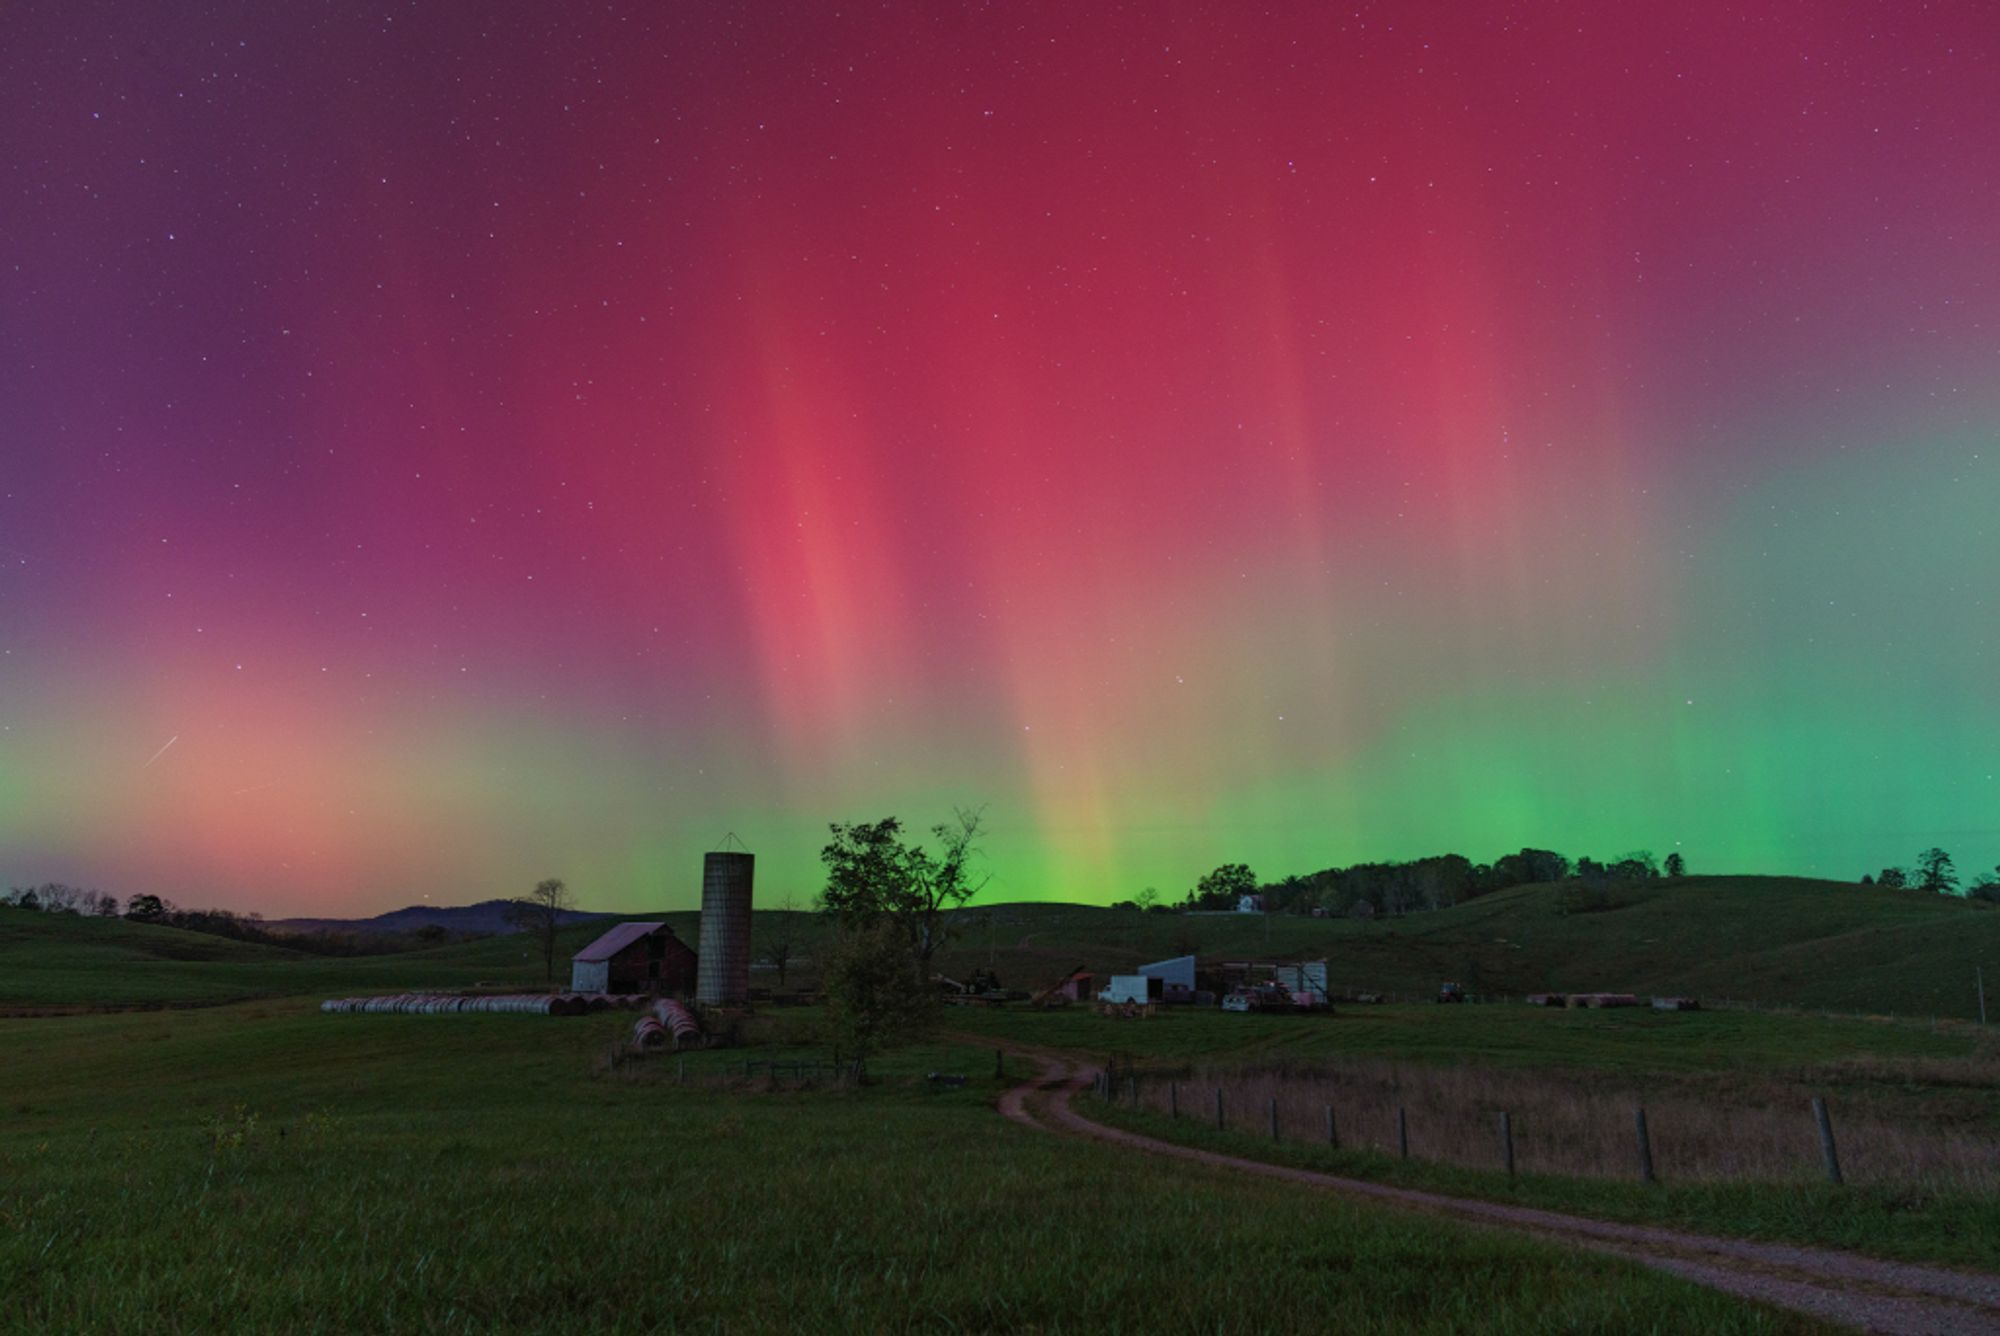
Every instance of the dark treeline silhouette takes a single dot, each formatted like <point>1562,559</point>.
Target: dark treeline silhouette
<point>1437,882</point>
<point>1935,872</point>
<point>57,897</point>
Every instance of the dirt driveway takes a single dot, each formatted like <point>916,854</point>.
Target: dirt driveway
<point>1853,1291</point>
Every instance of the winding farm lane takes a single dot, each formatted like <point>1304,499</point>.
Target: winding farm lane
<point>1895,1298</point>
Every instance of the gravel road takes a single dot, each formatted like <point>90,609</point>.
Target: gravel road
<point>1843,1288</point>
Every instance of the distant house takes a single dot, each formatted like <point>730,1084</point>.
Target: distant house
<point>1250,904</point>
<point>634,958</point>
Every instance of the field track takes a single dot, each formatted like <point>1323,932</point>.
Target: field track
<point>1842,1288</point>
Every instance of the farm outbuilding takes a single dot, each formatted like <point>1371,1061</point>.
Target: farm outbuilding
<point>1132,988</point>
<point>634,958</point>
<point>1176,977</point>
<point>1305,981</point>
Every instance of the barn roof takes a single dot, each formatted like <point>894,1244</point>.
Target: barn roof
<point>620,937</point>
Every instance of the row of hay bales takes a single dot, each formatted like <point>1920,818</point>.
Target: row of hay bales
<point>529,1004</point>
<point>668,1019</point>
<point>1611,1000</point>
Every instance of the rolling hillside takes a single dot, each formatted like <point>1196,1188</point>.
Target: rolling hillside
<point>1778,941</point>
<point>1774,940</point>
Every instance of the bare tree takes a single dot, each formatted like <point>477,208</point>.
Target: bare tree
<point>781,935</point>
<point>540,913</point>
<point>59,897</point>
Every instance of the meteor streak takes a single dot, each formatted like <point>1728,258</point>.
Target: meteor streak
<point>162,751</point>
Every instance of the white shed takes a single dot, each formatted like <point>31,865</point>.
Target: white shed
<point>1130,988</point>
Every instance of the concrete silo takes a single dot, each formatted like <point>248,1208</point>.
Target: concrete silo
<point>722,977</point>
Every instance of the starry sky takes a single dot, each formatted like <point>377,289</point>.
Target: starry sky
<point>443,446</point>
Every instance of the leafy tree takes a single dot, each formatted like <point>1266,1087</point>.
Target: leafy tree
<point>875,986</point>
<point>873,876</point>
<point>540,913</point>
<point>1676,866</point>
<point>1636,866</point>
<point>1892,877</point>
<point>28,899</point>
<point>1867,879</point>
<point>1147,898</point>
<point>1935,872</point>
<point>146,909</point>
<point>1986,886</point>
<point>107,906</point>
<point>1224,888</point>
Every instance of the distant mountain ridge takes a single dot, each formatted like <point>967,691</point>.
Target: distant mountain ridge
<point>487,916</point>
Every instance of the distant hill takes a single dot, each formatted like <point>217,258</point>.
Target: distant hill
<point>1786,941</point>
<point>485,917</point>
<point>1777,940</point>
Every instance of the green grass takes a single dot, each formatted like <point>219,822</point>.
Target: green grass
<point>1777,941</point>
<point>1780,941</point>
<point>1626,1041</point>
<point>1913,1224</point>
<point>1898,1073</point>
<point>265,1167</point>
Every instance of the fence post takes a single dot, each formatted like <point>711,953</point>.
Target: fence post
<point>1332,1134</point>
<point>1274,1118</point>
<point>1979,980</point>
<point>1507,1141</point>
<point>1132,1091</point>
<point>1173,1099</point>
<point>1220,1125</point>
<point>681,1071</point>
<point>999,1064</point>
<point>1826,1140</point>
<point>1402,1133</point>
<point>1645,1146</point>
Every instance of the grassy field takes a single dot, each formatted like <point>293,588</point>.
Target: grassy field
<point>1777,941</point>
<point>262,1166</point>
<point>258,1163</point>
<point>1774,940</point>
<point>1728,1096</point>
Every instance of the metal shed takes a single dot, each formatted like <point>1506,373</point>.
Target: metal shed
<point>1176,977</point>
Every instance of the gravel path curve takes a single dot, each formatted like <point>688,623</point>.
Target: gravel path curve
<point>1897,1298</point>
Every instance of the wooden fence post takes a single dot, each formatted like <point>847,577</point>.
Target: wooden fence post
<point>1507,1141</point>
<point>1402,1133</point>
<point>1979,981</point>
<point>1220,1125</point>
<point>999,1064</point>
<point>1173,1099</point>
<point>1274,1118</point>
<point>1332,1134</point>
<point>1132,1091</point>
<point>1645,1146</point>
<point>1826,1147</point>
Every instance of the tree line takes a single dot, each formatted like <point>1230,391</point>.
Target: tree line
<point>1935,872</point>
<point>1365,890</point>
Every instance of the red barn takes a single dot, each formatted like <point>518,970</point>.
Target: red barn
<point>634,958</point>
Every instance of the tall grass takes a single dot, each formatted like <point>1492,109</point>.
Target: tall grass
<point>1581,1124</point>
